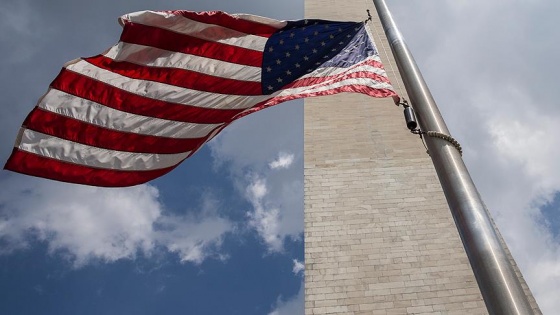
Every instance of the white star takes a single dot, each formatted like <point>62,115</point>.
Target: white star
<point>305,22</point>
<point>289,72</point>
<point>278,61</point>
<point>332,36</point>
<point>314,50</point>
<point>268,69</point>
<point>305,58</point>
<point>270,49</point>
<point>316,33</point>
<point>297,47</point>
<point>288,54</point>
<point>298,65</point>
<point>279,80</point>
<point>292,35</point>
<point>306,39</point>
<point>281,42</point>
<point>270,87</point>
<point>323,43</point>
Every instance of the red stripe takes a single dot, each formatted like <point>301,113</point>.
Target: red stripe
<point>78,131</point>
<point>355,88</point>
<point>156,37</point>
<point>178,77</point>
<point>105,94</point>
<point>316,82</point>
<point>364,74</point>
<point>228,21</point>
<point>368,62</point>
<point>345,88</point>
<point>30,164</point>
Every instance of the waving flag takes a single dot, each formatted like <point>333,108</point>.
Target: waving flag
<point>174,81</point>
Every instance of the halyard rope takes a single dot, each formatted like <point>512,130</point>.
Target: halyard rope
<point>399,89</point>
<point>434,134</point>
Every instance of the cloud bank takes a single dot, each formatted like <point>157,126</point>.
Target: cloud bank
<point>89,224</point>
<point>267,169</point>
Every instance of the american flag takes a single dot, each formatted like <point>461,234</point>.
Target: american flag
<point>174,81</point>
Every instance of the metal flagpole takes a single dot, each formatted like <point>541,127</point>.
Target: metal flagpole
<point>496,278</point>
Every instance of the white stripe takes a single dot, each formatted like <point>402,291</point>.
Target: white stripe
<point>165,92</point>
<point>72,152</point>
<point>155,57</point>
<point>261,20</point>
<point>87,111</point>
<point>210,32</point>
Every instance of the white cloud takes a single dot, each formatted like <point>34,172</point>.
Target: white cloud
<point>299,267</point>
<point>193,238</point>
<point>293,306</point>
<point>284,161</point>
<point>274,189</point>
<point>94,224</point>
<point>264,220</point>
<point>256,139</point>
<point>257,190</point>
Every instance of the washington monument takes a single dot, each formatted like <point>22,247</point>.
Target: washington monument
<point>380,237</point>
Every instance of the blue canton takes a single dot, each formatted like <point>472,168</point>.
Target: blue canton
<point>303,46</point>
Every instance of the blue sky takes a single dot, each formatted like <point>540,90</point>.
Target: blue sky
<point>222,234</point>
